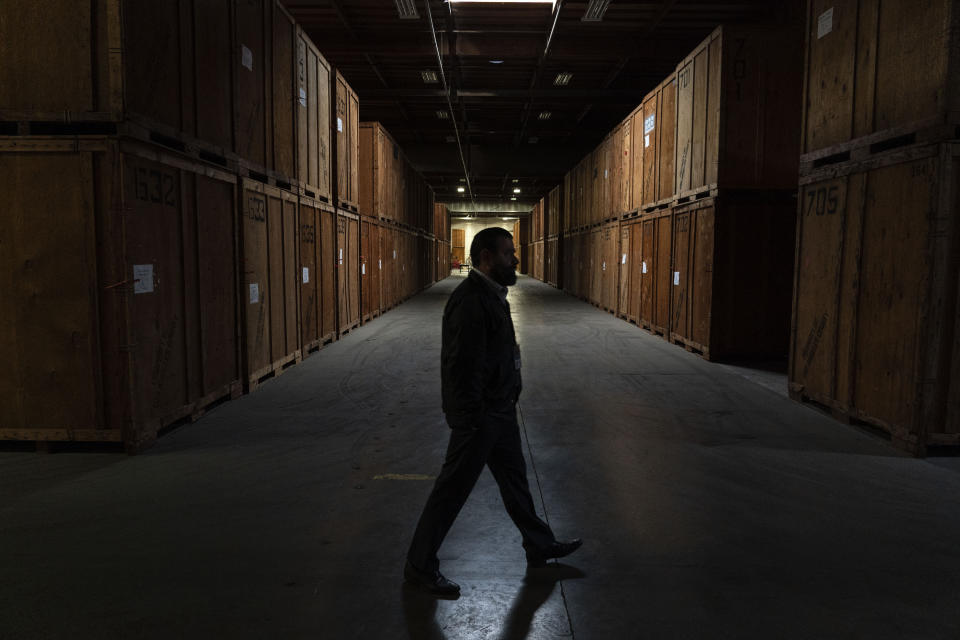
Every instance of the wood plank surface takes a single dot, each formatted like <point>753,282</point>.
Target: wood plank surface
<point>284,87</point>
<point>310,282</point>
<point>48,338</point>
<point>251,74</point>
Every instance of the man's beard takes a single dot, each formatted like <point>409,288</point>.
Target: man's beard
<point>503,275</point>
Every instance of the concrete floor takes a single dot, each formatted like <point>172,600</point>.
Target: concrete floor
<point>711,505</point>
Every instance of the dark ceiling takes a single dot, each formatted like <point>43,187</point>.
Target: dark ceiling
<point>499,108</point>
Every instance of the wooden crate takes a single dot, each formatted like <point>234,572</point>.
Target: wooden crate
<point>655,272</point>
<point>554,211</point>
<point>625,203</point>
<point>874,315</point>
<point>731,269</point>
<point>441,222</point>
<point>738,108</point>
<point>381,175</point>
<point>272,274</point>
<point>631,270</point>
<point>348,271</point>
<point>317,293</point>
<point>876,72</point>
<point>165,64</point>
<point>284,92</point>
<point>346,140</point>
<point>624,266</point>
<point>388,285</point>
<point>252,67</point>
<point>609,263</point>
<point>120,282</point>
<point>369,268</point>
<point>659,135</point>
<point>552,259</point>
<point>313,121</point>
<point>638,149</point>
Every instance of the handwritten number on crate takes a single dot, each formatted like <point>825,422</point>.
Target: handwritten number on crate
<point>822,201</point>
<point>156,186</point>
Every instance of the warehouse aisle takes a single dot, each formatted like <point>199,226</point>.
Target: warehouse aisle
<point>711,506</point>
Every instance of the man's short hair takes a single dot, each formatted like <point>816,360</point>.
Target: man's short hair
<point>487,239</point>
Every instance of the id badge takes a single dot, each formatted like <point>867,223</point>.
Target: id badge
<point>516,357</point>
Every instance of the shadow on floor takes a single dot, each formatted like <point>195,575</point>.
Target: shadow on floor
<point>420,608</point>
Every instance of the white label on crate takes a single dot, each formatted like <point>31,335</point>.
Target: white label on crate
<point>649,123</point>
<point>254,293</point>
<point>339,124</point>
<point>363,269</point>
<point>644,266</point>
<point>604,265</point>
<point>142,278</point>
<point>825,23</point>
<point>394,254</point>
<point>676,278</point>
<point>606,173</point>
<point>624,260</point>
<point>246,57</point>
<point>341,256</point>
<point>303,97</point>
<point>380,265</point>
<point>646,140</point>
<point>306,275</point>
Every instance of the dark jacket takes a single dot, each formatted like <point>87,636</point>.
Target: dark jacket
<point>479,374</point>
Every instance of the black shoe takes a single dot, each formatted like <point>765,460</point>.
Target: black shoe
<point>432,582</point>
<point>556,550</point>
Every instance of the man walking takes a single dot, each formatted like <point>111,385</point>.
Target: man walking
<point>480,378</point>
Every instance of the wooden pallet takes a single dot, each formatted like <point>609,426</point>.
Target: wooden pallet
<point>349,328</point>
<point>883,142</point>
<point>274,179</point>
<point>275,370</point>
<point>849,416</point>
<point>691,346</point>
<point>348,206</point>
<point>316,345</point>
<point>708,191</point>
<point>51,440</point>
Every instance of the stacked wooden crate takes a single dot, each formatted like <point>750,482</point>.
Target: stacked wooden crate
<point>195,236</point>
<point>690,211</point>
<point>535,247</point>
<point>875,322</point>
<point>553,243</point>
<point>441,231</point>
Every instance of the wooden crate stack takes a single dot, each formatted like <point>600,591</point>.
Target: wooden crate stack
<point>875,321</point>
<point>207,170</point>
<point>393,198</point>
<point>682,218</point>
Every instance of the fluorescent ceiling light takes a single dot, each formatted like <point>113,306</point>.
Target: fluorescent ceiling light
<point>552,3</point>
<point>563,79</point>
<point>515,181</point>
<point>516,190</point>
<point>460,189</point>
<point>595,11</point>
<point>545,115</point>
<point>443,115</point>
<point>496,62</point>
<point>407,9</point>
<point>429,76</point>
<point>514,198</point>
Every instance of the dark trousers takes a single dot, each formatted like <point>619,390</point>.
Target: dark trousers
<point>496,444</point>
